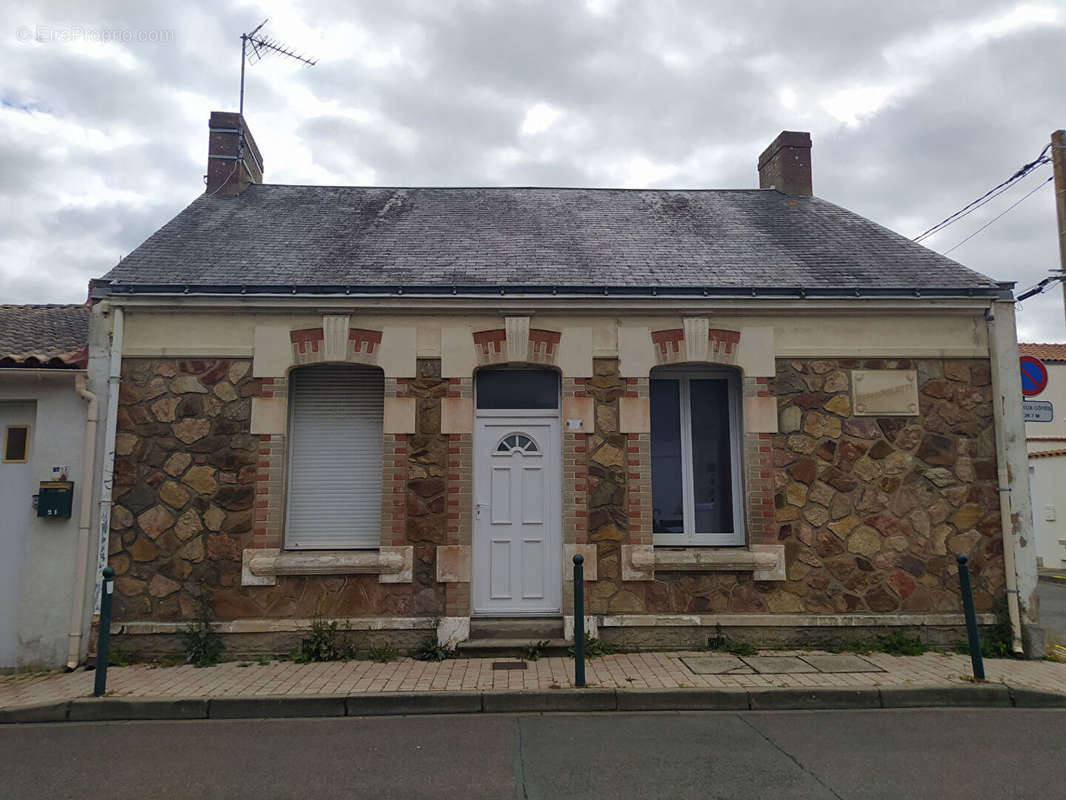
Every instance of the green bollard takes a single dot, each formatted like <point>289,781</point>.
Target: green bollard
<point>971,618</point>
<point>579,621</point>
<point>103,641</point>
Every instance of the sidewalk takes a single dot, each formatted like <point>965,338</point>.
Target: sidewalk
<point>702,674</point>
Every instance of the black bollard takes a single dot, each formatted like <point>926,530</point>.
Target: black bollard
<point>103,641</point>
<point>579,621</point>
<point>971,617</point>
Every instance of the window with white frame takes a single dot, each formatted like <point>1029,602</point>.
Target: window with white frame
<point>696,483</point>
<point>335,457</point>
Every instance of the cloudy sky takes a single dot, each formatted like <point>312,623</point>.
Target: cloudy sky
<point>915,108</point>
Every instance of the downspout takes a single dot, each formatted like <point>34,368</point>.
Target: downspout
<point>114,377</point>
<point>81,560</point>
<point>1003,487</point>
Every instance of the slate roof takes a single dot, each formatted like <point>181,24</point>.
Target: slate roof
<point>44,336</point>
<point>300,236</point>
<point>1045,352</point>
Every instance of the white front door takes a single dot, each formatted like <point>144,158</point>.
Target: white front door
<point>517,547</point>
<point>16,500</point>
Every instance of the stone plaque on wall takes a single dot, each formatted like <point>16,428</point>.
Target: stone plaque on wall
<point>883,392</point>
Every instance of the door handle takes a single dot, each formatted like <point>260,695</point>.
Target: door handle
<point>477,510</point>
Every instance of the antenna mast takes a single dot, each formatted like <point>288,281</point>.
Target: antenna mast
<point>260,47</point>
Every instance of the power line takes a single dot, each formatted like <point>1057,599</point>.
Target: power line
<point>991,194</point>
<point>1007,209</point>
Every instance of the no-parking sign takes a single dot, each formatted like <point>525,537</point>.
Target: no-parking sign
<point>1034,376</point>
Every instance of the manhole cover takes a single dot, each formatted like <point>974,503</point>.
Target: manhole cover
<point>509,665</point>
<point>778,665</point>
<point>716,665</point>
<point>840,662</point>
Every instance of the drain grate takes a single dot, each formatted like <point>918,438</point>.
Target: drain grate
<point>509,665</point>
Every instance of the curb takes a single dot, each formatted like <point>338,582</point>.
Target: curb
<point>1059,579</point>
<point>113,709</point>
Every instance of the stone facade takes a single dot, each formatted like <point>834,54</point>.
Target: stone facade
<point>871,510</point>
<point>187,470</point>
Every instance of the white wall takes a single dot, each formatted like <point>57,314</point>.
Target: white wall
<point>48,572</point>
<point>1046,483</point>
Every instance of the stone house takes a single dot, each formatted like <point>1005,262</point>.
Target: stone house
<point>48,411</point>
<point>409,408</point>
<point>1046,443</point>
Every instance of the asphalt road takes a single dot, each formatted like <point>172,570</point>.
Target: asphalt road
<point>949,753</point>
<point>1053,610</point>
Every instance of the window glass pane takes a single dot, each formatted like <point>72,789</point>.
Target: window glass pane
<point>667,501</point>
<point>517,388</point>
<point>15,446</point>
<point>712,475</point>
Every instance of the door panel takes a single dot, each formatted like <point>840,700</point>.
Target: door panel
<point>517,543</point>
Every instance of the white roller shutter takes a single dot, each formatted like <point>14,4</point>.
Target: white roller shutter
<point>335,424</point>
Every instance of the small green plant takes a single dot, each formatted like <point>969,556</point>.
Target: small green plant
<point>430,650</point>
<point>998,641</point>
<point>328,642</point>
<point>898,643</point>
<point>534,650</point>
<point>722,643</point>
<point>120,655</point>
<point>594,648</point>
<point>203,645</point>
<point>383,653</point>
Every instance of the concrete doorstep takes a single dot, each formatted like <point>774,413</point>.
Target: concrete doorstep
<point>111,709</point>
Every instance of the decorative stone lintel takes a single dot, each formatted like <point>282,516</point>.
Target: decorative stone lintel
<point>452,630</point>
<point>453,563</point>
<point>588,552</point>
<point>719,559</point>
<point>260,567</point>
<point>638,562</point>
<point>517,338</point>
<point>592,627</point>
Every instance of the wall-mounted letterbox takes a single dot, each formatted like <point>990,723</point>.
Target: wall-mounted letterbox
<point>55,499</point>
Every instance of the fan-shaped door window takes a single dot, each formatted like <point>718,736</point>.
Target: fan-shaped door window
<point>517,441</point>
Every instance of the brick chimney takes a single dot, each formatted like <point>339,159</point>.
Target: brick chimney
<point>233,160</point>
<point>786,164</point>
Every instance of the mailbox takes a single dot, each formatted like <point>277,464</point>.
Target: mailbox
<point>55,499</point>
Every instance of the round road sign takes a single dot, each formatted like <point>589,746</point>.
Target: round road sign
<point>1034,376</point>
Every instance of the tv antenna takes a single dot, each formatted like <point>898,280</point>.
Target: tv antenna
<point>260,46</point>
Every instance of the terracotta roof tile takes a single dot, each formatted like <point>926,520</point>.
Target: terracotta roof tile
<point>44,336</point>
<point>1045,352</point>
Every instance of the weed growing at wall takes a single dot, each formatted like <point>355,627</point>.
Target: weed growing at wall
<point>203,645</point>
<point>430,650</point>
<point>328,641</point>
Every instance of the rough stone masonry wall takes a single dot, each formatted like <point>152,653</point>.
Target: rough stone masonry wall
<point>871,510</point>
<point>185,476</point>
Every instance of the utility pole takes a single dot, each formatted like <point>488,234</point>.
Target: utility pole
<point>1058,156</point>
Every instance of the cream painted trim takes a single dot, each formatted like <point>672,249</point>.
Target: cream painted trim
<point>517,331</point>
<point>579,411</point>
<point>636,352</point>
<point>760,415</point>
<point>198,351</point>
<point>279,625</point>
<point>714,559</point>
<point>272,355</point>
<point>391,564</point>
<point>638,562</point>
<point>787,620</point>
<point>269,415</point>
<point>456,415</point>
<point>777,573</point>
<point>634,415</point>
<point>573,354</point>
<point>397,351</point>
<point>755,352</point>
<point>400,415</point>
<point>697,329</point>
<point>335,329</point>
<point>457,356</point>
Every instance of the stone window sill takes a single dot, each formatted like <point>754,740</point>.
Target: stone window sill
<point>765,561</point>
<point>262,566</point>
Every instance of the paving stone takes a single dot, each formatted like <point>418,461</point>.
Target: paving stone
<point>778,665</point>
<point>716,665</point>
<point>840,662</point>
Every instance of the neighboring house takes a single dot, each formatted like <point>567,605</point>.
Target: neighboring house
<point>44,564</point>
<point>408,408</point>
<point>1046,443</point>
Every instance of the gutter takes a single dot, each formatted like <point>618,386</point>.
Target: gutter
<point>110,428</point>
<point>81,559</point>
<point>999,371</point>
